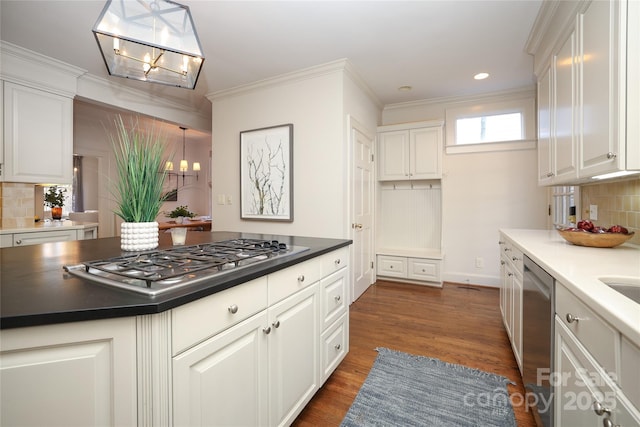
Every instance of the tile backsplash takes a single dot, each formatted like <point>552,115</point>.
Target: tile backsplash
<point>618,203</point>
<point>16,204</point>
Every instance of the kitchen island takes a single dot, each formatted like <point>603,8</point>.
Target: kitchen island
<point>259,341</point>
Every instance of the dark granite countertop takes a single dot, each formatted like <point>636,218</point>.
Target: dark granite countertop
<point>34,289</point>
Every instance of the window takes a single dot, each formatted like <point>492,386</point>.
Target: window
<point>507,124</point>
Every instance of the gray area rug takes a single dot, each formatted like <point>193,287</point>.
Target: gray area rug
<point>406,390</point>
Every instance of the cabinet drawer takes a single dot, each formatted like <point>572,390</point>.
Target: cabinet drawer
<point>25,239</point>
<point>513,256</point>
<point>333,297</point>
<point>424,269</point>
<point>334,261</point>
<point>595,334</point>
<point>201,319</point>
<point>335,345</point>
<point>392,266</point>
<point>290,280</point>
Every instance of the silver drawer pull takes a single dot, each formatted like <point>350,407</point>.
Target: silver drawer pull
<point>18,242</point>
<point>233,309</point>
<point>276,324</point>
<point>337,298</point>
<point>599,409</point>
<point>611,155</point>
<point>337,346</point>
<point>267,330</point>
<point>571,318</point>
<point>337,261</point>
<point>301,278</point>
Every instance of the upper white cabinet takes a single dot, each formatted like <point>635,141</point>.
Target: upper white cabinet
<point>412,151</point>
<point>38,136</point>
<point>37,104</point>
<point>587,107</point>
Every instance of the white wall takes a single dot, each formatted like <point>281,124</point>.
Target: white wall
<point>482,193</point>
<point>313,101</point>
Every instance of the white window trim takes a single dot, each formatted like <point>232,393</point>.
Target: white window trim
<point>523,105</point>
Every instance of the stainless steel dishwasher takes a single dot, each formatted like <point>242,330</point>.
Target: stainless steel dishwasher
<point>537,341</point>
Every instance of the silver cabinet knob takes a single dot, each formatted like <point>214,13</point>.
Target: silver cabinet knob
<point>276,324</point>
<point>233,309</point>
<point>337,347</point>
<point>301,278</point>
<point>18,242</point>
<point>267,330</point>
<point>611,155</point>
<point>337,298</point>
<point>571,318</point>
<point>337,261</point>
<point>549,174</point>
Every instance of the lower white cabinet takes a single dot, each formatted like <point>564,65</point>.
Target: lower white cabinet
<point>264,366</point>
<point>410,269</point>
<point>585,395</point>
<point>511,291</point>
<point>72,374</point>
<point>53,234</point>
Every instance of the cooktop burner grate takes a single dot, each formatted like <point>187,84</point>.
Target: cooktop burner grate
<point>152,272</point>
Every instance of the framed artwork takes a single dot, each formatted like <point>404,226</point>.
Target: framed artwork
<point>266,174</point>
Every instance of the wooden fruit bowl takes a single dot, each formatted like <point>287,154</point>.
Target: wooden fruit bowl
<point>594,240</point>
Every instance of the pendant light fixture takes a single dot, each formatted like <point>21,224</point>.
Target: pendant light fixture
<point>152,41</point>
<point>184,164</point>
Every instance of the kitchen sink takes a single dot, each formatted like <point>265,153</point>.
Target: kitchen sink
<point>627,286</point>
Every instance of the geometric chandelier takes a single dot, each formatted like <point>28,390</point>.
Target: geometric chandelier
<point>150,40</point>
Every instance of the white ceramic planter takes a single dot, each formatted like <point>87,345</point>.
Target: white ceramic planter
<point>138,236</point>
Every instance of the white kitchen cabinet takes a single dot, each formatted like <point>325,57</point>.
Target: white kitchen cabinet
<point>409,269</point>
<point>81,373</point>
<point>294,355</point>
<point>410,152</point>
<point>48,235</point>
<point>584,393</point>
<point>588,103</point>
<point>511,292</point>
<point>224,381</point>
<point>38,135</point>
<point>255,354</point>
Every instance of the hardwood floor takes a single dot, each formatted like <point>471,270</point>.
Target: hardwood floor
<point>458,324</point>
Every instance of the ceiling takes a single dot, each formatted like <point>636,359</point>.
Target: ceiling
<point>436,47</point>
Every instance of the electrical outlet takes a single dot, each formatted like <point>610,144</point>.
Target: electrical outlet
<point>479,262</point>
<point>593,212</point>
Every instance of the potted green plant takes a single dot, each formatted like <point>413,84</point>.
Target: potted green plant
<point>180,213</point>
<point>54,198</point>
<point>138,191</point>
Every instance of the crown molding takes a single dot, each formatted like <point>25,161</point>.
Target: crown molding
<point>519,93</point>
<point>29,68</point>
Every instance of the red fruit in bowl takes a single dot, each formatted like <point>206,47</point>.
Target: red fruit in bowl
<point>585,224</point>
<point>618,229</point>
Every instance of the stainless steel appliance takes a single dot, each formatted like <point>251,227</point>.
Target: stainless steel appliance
<point>537,341</point>
<point>158,271</point>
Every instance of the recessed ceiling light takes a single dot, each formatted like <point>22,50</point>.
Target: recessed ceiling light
<point>406,88</point>
<point>481,76</point>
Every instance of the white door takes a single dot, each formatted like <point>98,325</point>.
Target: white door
<point>362,210</point>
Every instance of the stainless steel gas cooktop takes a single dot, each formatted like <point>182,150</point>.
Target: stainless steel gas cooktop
<point>158,271</point>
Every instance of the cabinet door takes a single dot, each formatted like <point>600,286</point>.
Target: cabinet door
<point>38,136</point>
<point>223,381</point>
<point>601,106</point>
<point>564,140</point>
<point>546,168</point>
<point>516,326</point>
<point>72,374</point>
<point>393,156</point>
<point>293,355</point>
<point>425,153</point>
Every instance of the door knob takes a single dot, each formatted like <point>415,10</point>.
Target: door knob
<point>357,226</point>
